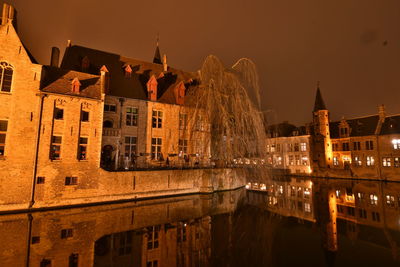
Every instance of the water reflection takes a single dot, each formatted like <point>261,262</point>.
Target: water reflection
<point>285,222</point>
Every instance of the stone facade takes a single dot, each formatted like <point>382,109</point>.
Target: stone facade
<point>52,139</point>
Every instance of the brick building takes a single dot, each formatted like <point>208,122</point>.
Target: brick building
<point>364,147</point>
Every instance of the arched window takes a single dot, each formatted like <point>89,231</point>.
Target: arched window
<point>107,124</point>
<point>6,73</point>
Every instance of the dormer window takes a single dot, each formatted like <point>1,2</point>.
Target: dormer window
<point>128,71</point>
<point>6,73</point>
<point>76,85</point>
<point>85,63</point>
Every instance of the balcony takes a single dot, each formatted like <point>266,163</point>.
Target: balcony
<point>111,132</point>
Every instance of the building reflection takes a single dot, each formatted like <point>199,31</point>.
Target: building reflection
<point>320,222</point>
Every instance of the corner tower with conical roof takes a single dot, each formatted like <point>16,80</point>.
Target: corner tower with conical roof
<point>157,55</point>
<point>322,145</point>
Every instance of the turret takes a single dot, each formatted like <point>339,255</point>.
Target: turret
<point>322,140</point>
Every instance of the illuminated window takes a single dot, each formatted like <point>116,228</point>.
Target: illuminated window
<point>273,148</point>
<point>55,150</point>
<point>290,147</point>
<point>132,116</point>
<point>303,147</point>
<point>183,147</point>
<point>6,73</point>
<point>3,133</point>
<point>110,108</point>
<point>297,159</point>
<point>357,161</point>
<point>279,161</point>
<point>268,148</point>
<point>307,207</point>
<point>182,121</point>
<point>396,162</point>
<point>307,193</point>
<point>360,196</point>
<point>396,143</point>
<point>373,199</point>
<point>82,149</point>
<point>369,145</point>
<point>291,160</point>
<point>390,200</point>
<point>157,119</point>
<point>370,161</point>
<point>156,144</point>
<point>335,161</point>
<point>386,162</point>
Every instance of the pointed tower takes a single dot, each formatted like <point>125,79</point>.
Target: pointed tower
<point>157,55</point>
<point>322,152</point>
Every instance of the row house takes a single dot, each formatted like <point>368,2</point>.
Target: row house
<point>288,148</point>
<point>365,147</point>
<point>146,123</point>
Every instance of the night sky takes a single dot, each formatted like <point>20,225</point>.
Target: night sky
<point>351,46</point>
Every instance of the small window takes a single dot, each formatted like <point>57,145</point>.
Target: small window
<point>6,73</point>
<point>107,124</point>
<point>35,239</point>
<point>40,180</point>
<point>71,180</point>
<point>3,132</point>
<point>369,145</point>
<point>55,150</point>
<point>110,108</point>
<point>45,263</point>
<point>183,147</point>
<point>84,115</point>
<point>386,162</point>
<point>156,144</point>
<point>82,151</point>
<point>58,113</point>
<point>73,260</point>
<point>182,121</point>
<point>132,116</point>
<point>66,233</point>
<point>130,146</point>
<point>157,119</point>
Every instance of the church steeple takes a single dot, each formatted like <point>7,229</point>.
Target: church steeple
<point>319,102</point>
<point>157,54</point>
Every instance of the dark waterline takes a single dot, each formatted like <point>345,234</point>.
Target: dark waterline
<point>286,221</point>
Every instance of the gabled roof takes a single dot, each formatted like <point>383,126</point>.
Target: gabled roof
<point>133,86</point>
<point>319,102</point>
<point>362,126</point>
<point>391,125</point>
<point>56,80</point>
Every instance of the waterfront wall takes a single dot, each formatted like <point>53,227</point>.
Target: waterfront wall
<point>96,185</point>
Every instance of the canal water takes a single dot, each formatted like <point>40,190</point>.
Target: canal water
<point>284,221</point>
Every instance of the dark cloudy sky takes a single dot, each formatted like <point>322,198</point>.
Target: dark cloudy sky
<point>351,46</point>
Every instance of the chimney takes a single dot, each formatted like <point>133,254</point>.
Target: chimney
<point>4,16</point>
<point>152,88</point>
<point>75,86</point>
<point>165,66</point>
<point>69,43</point>
<point>381,111</point>
<point>55,55</point>
<point>104,79</point>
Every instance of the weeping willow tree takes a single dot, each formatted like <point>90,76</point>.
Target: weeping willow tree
<point>228,102</point>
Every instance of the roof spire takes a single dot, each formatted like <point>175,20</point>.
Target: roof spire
<point>157,54</point>
<point>319,102</point>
